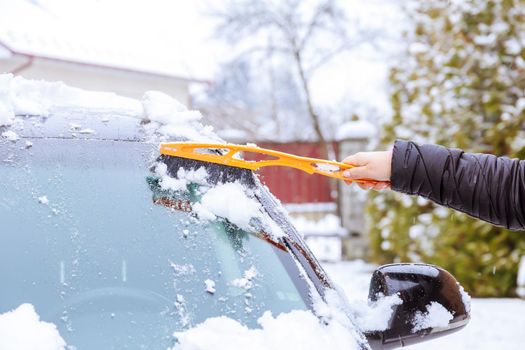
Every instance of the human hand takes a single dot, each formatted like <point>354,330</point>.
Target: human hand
<point>375,166</point>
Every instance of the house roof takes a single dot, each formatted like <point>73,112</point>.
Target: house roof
<point>29,30</point>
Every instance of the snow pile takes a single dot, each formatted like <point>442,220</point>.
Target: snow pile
<point>230,201</point>
<point>294,330</point>
<point>21,329</point>
<point>183,179</point>
<point>210,286</point>
<point>159,107</point>
<point>437,316</point>
<point>246,281</point>
<point>43,200</point>
<point>329,225</point>
<point>465,298</point>
<point>164,116</point>
<point>10,135</point>
<point>521,278</point>
<point>375,316</point>
<point>19,96</point>
<point>172,119</point>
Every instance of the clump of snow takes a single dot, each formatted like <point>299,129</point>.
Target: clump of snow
<point>159,107</point>
<point>359,129</point>
<point>231,201</point>
<point>436,316</point>
<point>246,281</point>
<point>297,329</point>
<point>10,135</point>
<point>183,178</point>
<point>180,270</point>
<point>375,316</point>
<point>465,298</point>
<point>43,200</point>
<point>21,329</point>
<point>210,286</point>
<point>173,119</point>
<point>521,278</point>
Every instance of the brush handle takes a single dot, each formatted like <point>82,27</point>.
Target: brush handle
<point>309,165</point>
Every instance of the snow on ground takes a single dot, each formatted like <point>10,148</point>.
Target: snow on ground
<point>495,323</point>
<point>21,329</point>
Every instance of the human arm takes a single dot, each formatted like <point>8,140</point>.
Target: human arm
<point>482,185</point>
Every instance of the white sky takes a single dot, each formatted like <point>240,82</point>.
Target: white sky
<point>178,35</point>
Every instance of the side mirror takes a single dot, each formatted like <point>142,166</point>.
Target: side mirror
<point>433,304</point>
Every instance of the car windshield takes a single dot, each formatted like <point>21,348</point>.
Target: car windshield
<point>85,241</point>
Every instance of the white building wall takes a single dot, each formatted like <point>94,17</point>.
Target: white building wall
<point>125,83</point>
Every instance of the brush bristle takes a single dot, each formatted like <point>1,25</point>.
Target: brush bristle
<point>217,173</point>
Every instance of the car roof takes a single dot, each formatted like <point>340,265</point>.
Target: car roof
<point>73,124</point>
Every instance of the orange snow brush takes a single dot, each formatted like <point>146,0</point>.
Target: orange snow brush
<point>228,154</point>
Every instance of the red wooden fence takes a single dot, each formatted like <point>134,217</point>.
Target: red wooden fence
<point>292,185</point>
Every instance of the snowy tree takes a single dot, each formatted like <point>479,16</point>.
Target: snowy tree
<point>462,85</point>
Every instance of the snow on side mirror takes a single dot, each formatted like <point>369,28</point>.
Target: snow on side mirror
<point>434,304</point>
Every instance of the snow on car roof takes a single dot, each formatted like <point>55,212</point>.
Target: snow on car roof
<point>65,111</point>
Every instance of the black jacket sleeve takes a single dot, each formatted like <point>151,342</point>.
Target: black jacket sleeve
<point>482,185</point>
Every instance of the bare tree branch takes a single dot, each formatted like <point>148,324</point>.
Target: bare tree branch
<point>294,31</point>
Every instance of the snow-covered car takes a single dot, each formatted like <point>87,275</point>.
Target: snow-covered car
<point>105,244</point>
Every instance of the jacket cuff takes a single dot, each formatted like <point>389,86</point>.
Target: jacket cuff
<point>402,167</point>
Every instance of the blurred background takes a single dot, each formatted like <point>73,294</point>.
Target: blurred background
<point>319,78</point>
